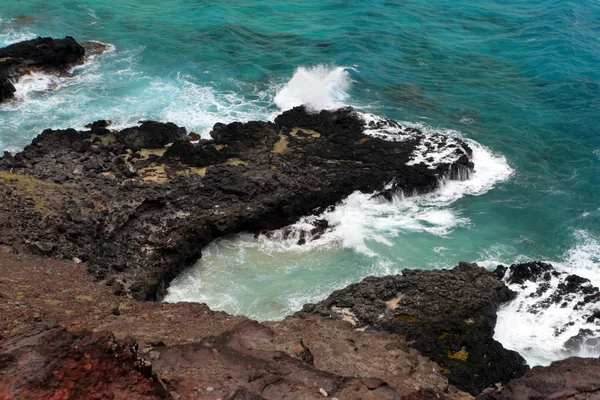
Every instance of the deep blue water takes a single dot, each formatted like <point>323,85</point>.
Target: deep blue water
<point>520,78</point>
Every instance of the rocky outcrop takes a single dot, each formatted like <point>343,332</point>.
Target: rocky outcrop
<point>571,379</point>
<point>448,315</point>
<point>49,55</point>
<point>246,363</point>
<point>192,351</point>
<point>140,211</point>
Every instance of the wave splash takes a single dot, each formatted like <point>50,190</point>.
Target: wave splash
<point>362,219</point>
<point>319,88</point>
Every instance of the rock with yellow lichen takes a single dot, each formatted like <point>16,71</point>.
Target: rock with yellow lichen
<point>138,204</point>
<point>448,315</point>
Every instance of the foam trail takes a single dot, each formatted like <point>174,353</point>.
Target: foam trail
<point>361,219</point>
<point>319,88</point>
<point>583,258</point>
<point>359,225</point>
<point>88,91</point>
<point>9,35</point>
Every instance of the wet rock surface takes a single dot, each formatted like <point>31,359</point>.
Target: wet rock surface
<point>41,54</point>
<point>571,379</point>
<point>140,211</point>
<point>448,315</point>
<point>543,288</point>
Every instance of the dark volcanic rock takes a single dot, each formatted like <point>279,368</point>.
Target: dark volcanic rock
<point>448,315</point>
<point>142,212</point>
<point>46,54</point>
<point>571,379</point>
<point>45,361</point>
<point>520,273</point>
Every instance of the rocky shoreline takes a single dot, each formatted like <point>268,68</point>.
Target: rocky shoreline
<point>448,316</point>
<point>140,203</point>
<point>95,223</point>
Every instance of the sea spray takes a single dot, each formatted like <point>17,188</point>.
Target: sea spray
<point>545,324</point>
<point>293,264</point>
<point>319,88</point>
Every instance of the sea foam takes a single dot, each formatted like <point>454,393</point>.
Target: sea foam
<point>319,88</point>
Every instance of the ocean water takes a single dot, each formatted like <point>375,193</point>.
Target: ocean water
<point>519,80</point>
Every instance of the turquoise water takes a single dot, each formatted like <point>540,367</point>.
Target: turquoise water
<point>519,78</point>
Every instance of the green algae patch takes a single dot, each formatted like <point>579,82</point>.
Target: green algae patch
<point>52,302</point>
<point>37,190</point>
<point>236,162</point>
<point>445,335</point>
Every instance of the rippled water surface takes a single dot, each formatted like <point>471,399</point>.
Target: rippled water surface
<point>520,80</point>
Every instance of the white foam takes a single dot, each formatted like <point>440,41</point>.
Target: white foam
<point>361,221</point>
<point>8,35</point>
<point>199,107</point>
<point>319,88</point>
<point>89,92</point>
<point>536,339</point>
<point>583,258</point>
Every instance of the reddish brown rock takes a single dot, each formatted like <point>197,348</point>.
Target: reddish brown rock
<point>246,364</point>
<point>178,339</point>
<point>45,361</point>
<point>572,379</point>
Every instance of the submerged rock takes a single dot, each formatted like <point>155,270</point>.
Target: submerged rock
<point>448,315</point>
<point>140,203</point>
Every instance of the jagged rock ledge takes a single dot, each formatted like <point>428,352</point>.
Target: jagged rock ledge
<point>448,315</point>
<point>139,204</point>
<point>185,350</point>
<point>54,56</point>
<point>156,350</point>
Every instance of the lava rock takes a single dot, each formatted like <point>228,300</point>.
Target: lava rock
<point>41,54</point>
<point>45,361</point>
<point>573,378</point>
<point>559,289</point>
<point>448,315</point>
<point>129,199</point>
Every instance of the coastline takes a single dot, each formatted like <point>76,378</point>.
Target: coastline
<point>134,207</point>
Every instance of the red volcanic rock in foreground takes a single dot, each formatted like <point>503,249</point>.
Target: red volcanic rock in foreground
<point>45,361</point>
